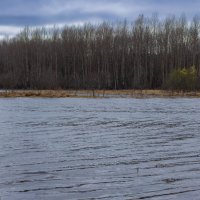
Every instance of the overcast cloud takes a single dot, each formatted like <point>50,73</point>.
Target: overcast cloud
<point>15,14</point>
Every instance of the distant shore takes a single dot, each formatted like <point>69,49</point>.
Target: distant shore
<point>96,93</point>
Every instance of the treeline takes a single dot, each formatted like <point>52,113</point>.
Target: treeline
<point>123,55</point>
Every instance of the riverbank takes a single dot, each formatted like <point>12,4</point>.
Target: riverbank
<point>96,93</point>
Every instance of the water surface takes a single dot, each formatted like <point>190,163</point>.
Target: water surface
<point>82,149</point>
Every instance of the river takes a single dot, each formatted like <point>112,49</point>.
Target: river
<point>114,148</point>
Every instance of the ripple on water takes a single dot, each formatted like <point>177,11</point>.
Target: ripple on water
<point>99,149</point>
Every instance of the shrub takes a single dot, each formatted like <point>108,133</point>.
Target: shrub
<point>183,79</point>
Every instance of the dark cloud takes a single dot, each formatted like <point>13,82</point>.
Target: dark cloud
<point>19,13</point>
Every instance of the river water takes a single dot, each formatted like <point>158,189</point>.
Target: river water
<point>84,149</point>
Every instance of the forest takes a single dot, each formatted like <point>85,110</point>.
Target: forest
<point>148,53</point>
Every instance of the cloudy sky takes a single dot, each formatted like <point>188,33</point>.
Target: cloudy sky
<point>15,14</point>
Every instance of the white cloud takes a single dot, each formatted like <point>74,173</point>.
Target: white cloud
<point>89,6</point>
<point>9,31</point>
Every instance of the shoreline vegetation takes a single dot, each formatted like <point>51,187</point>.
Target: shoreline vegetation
<point>148,53</point>
<point>97,93</point>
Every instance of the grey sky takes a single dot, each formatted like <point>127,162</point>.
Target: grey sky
<point>15,14</point>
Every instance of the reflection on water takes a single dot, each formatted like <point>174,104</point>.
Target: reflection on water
<point>99,149</point>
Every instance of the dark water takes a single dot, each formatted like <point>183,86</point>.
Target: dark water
<point>99,149</point>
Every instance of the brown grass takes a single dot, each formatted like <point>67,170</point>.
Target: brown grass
<point>96,93</point>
